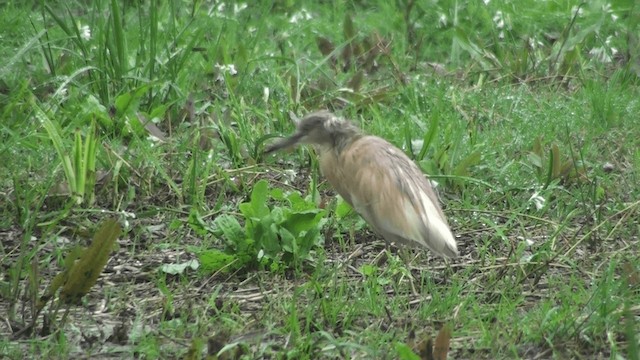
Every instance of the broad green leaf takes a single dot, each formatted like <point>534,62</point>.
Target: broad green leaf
<point>303,221</point>
<point>265,235</point>
<point>535,160</point>
<point>430,135</point>
<point>92,108</point>
<point>307,242</point>
<point>122,103</point>
<point>259,194</point>
<point>404,352</point>
<point>368,270</point>
<point>288,241</point>
<point>298,202</point>
<point>280,214</point>
<point>277,194</point>
<point>462,168</point>
<point>197,223</point>
<point>343,209</point>
<point>213,260</point>
<point>230,228</point>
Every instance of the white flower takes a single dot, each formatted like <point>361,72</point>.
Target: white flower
<point>580,11</point>
<point>601,54</point>
<point>225,69</point>
<point>289,176</point>
<point>442,20</point>
<point>537,200</point>
<point>265,94</point>
<point>85,31</point>
<point>229,69</point>
<point>498,19</point>
<point>303,14</point>
<point>238,7</point>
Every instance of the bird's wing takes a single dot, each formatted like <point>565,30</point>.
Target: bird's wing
<point>391,193</point>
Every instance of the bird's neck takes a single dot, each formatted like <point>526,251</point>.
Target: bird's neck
<point>341,138</point>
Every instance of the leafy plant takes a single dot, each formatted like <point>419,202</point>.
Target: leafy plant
<point>80,171</point>
<point>272,235</point>
<point>556,166</point>
<point>450,162</point>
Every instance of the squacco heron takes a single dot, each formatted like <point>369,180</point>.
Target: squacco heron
<point>378,180</point>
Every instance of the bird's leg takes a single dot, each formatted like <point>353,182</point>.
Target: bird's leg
<point>383,255</point>
<point>401,260</point>
<point>405,255</point>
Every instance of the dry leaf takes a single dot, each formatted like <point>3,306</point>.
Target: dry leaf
<point>151,128</point>
<point>633,276</point>
<point>326,49</point>
<point>356,81</point>
<point>441,347</point>
<point>84,272</point>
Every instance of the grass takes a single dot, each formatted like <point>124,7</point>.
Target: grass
<point>525,113</point>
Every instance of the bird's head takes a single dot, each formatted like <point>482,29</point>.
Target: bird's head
<point>322,129</point>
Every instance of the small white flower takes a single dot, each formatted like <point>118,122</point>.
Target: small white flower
<point>537,200</point>
<point>600,54</point>
<point>303,14</point>
<point>486,2</point>
<point>579,10</point>
<point>225,69</point>
<point>265,94</point>
<point>534,44</point>
<point>85,32</point>
<point>238,7</point>
<point>229,69</point>
<point>442,20</point>
<point>290,176</point>
<point>498,19</point>
<point>527,242</point>
<point>153,139</point>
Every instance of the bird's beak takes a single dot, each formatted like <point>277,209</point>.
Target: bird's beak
<point>284,143</point>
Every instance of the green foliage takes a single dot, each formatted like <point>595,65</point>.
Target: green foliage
<point>273,235</point>
<point>213,260</point>
<point>556,166</point>
<point>404,352</point>
<point>79,170</point>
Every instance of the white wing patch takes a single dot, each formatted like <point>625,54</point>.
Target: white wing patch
<point>439,235</point>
